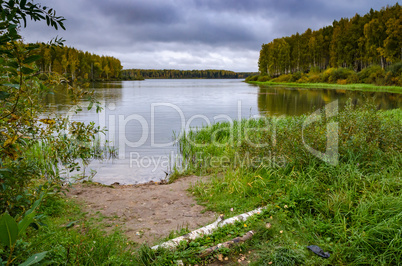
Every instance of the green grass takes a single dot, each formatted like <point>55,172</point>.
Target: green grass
<point>352,209</point>
<point>70,237</point>
<point>358,86</point>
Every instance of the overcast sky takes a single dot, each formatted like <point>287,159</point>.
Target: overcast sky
<point>189,34</point>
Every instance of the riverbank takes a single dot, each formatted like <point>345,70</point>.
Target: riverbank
<point>156,210</point>
<point>357,86</point>
<point>349,206</point>
<point>95,224</point>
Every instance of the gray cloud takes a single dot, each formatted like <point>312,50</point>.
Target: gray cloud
<point>140,12</point>
<point>189,34</point>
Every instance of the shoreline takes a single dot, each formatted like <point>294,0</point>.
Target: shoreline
<point>351,87</point>
<point>157,209</point>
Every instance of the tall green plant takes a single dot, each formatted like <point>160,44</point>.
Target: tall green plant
<point>10,231</point>
<point>22,128</point>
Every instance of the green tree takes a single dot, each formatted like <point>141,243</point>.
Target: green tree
<point>23,127</point>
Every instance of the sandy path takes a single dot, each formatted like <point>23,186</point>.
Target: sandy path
<point>145,212</point>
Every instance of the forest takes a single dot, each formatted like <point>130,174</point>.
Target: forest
<point>374,39</point>
<point>77,65</point>
<point>138,74</point>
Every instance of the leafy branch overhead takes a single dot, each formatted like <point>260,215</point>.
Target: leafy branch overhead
<point>15,12</point>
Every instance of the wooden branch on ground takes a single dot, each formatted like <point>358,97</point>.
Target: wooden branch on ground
<point>227,244</point>
<point>207,230</point>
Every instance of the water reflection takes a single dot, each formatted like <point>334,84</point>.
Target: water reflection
<point>154,109</point>
<point>58,99</point>
<point>296,101</point>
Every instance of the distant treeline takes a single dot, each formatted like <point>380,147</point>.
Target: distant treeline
<point>132,74</point>
<point>78,65</point>
<point>356,43</point>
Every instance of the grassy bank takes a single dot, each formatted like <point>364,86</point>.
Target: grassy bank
<point>372,78</point>
<point>351,209</point>
<point>69,237</point>
<point>358,86</point>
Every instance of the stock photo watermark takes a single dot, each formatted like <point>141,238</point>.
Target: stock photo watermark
<point>146,136</point>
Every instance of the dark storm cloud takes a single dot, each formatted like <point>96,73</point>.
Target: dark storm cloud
<point>140,12</point>
<point>190,33</point>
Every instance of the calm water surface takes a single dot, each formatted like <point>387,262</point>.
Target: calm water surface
<point>143,117</point>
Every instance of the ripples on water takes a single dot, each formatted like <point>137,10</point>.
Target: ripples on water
<point>142,117</point>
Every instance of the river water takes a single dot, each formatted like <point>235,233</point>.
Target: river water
<point>144,118</point>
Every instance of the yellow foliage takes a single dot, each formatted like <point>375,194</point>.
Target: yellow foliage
<point>341,81</point>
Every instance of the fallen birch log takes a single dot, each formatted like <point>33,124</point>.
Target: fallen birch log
<point>228,244</point>
<point>207,230</point>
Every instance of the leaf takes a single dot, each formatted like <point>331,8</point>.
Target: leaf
<point>27,70</point>
<point>34,259</point>
<point>22,3</point>
<point>13,64</point>
<point>10,141</point>
<point>47,121</point>
<point>31,59</point>
<point>71,224</point>
<point>8,230</point>
<point>34,206</point>
<point>5,170</point>
<point>12,71</point>
<point>90,105</point>
<point>17,86</point>
<point>4,95</point>
<point>24,223</point>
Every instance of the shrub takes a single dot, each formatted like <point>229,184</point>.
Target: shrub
<point>303,79</point>
<point>315,78</point>
<point>252,78</point>
<point>352,78</point>
<point>263,78</point>
<point>341,82</point>
<point>327,74</point>
<point>296,76</point>
<point>283,78</point>
<point>368,74</point>
<point>395,69</point>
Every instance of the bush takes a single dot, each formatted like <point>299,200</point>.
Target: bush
<point>352,78</point>
<point>332,75</point>
<point>370,73</point>
<point>327,74</point>
<point>252,78</point>
<point>341,82</point>
<point>263,78</point>
<point>296,76</point>
<point>303,79</point>
<point>377,77</point>
<point>283,78</point>
<point>315,78</point>
<point>395,69</point>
